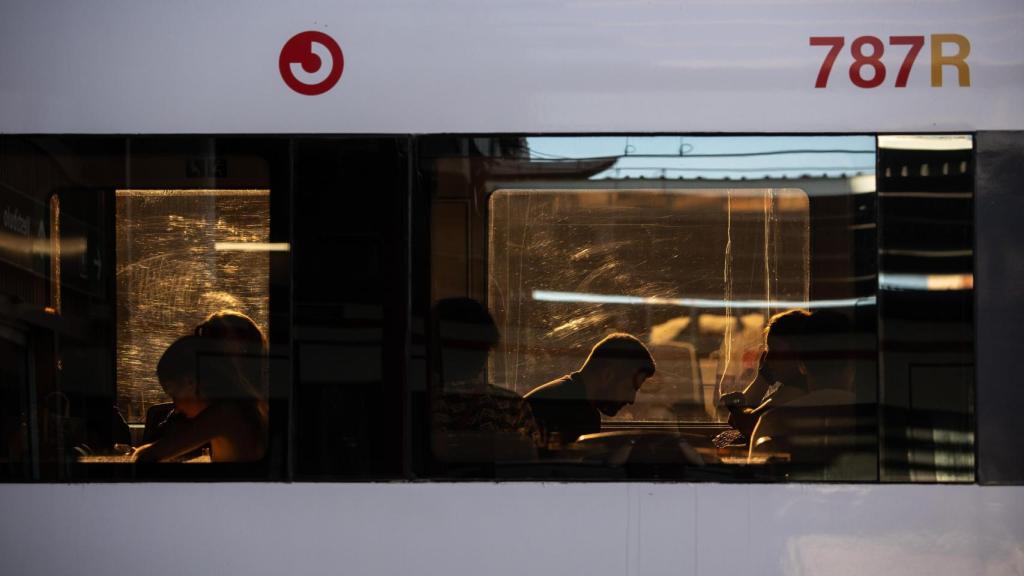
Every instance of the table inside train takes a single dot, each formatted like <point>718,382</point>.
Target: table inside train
<point>127,458</point>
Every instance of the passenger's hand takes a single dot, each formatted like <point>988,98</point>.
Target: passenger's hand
<point>142,453</point>
<point>732,399</point>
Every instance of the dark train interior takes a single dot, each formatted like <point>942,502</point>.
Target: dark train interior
<point>339,248</point>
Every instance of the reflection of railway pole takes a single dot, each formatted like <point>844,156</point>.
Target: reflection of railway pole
<point>54,250</point>
<point>60,418</point>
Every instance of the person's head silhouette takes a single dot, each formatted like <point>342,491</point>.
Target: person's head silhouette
<point>465,333</point>
<point>615,370</point>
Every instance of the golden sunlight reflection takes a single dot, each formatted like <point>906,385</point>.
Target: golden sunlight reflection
<point>693,272</point>
<point>170,274</point>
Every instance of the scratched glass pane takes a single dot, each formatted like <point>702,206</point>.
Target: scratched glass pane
<point>171,275</point>
<point>695,273</point>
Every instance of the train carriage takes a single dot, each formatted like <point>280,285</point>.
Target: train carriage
<point>343,175</point>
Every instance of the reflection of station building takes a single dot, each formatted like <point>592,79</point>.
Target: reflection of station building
<point>926,266</point>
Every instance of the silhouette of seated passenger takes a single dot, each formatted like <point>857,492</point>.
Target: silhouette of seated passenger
<point>219,407</point>
<point>473,421</point>
<point>779,379</point>
<point>609,379</point>
<point>825,433</point>
<point>245,347</point>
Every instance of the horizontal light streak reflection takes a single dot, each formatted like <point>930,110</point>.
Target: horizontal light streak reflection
<point>929,282</point>
<point>252,246</point>
<point>928,253</point>
<point>586,298</point>
<point>190,193</point>
<point>33,246</point>
<point>926,142</point>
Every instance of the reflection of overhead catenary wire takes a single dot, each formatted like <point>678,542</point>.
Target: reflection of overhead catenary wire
<point>766,169</point>
<point>632,154</point>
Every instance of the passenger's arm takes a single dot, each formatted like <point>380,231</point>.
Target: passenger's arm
<point>184,437</point>
<point>767,444</point>
<point>745,419</point>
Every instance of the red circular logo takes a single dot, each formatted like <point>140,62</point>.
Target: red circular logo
<point>311,63</point>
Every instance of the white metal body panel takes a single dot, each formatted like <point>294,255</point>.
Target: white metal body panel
<point>511,529</point>
<point>120,66</point>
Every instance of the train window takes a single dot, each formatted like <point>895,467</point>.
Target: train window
<point>148,277</point>
<point>742,271</point>
<point>926,308</point>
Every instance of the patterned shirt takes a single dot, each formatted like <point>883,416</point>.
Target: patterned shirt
<point>469,406</point>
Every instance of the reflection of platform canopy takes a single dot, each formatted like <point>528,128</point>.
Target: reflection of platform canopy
<point>569,169</point>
